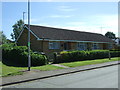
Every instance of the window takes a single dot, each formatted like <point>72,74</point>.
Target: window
<point>82,46</point>
<point>54,45</point>
<point>110,46</point>
<point>95,46</point>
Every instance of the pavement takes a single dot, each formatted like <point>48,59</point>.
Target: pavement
<point>97,78</point>
<point>36,74</point>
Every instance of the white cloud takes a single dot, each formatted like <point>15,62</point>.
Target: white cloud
<point>60,16</point>
<point>76,23</point>
<point>83,28</point>
<point>109,22</point>
<point>94,24</point>
<point>32,20</point>
<point>66,8</point>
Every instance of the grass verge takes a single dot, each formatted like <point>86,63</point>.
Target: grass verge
<point>89,62</point>
<point>10,70</point>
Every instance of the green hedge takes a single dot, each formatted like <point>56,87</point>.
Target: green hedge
<point>19,54</point>
<point>70,56</point>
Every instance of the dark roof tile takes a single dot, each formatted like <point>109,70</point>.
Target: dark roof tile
<point>64,34</point>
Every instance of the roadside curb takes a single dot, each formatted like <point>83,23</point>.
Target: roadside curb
<point>64,73</point>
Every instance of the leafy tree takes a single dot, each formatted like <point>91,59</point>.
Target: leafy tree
<point>3,38</point>
<point>110,35</point>
<point>17,28</point>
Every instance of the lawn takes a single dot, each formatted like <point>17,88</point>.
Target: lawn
<point>13,70</point>
<point>10,70</point>
<point>89,62</point>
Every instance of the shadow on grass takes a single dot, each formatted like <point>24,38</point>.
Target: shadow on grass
<point>17,64</point>
<point>14,64</point>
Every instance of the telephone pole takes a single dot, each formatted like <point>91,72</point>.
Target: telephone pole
<point>24,16</point>
<point>29,58</point>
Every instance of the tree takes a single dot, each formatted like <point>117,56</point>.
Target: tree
<point>110,35</point>
<point>3,38</point>
<point>17,28</point>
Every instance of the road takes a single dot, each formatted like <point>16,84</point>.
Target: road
<point>106,77</point>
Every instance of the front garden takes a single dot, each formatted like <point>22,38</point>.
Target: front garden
<point>14,70</point>
<point>15,59</point>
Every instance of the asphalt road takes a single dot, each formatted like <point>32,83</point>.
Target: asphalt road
<point>106,77</point>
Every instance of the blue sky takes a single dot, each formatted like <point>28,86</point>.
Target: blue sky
<point>80,16</point>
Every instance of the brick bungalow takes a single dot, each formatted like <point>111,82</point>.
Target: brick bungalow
<point>49,39</point>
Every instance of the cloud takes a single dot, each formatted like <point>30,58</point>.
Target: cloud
<point>32,20</point>
<point>93,24</point>
<point>108,22</point>
<point>76,23</point>
<point>60,16</point>
<point>66,8</point>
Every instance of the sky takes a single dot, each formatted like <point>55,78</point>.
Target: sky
<point>97,17</point>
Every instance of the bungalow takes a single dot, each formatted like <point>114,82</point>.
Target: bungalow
<point>49,39</point>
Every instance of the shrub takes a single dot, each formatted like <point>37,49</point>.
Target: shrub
<point>115,53</point>
<point>37,59</point>
<point>70,56</point>
<point>19,55</point>
<point>115,50</point>
<point>8,46</point>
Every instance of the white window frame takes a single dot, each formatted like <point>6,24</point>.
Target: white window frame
<point>54,45</point>
<point>81,46</point>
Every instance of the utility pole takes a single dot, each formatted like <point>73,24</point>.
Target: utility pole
<point>23,16</point>
<point>23,19</point>
<point>29,58</point>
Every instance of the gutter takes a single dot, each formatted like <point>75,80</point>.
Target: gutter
<point>72,41</point>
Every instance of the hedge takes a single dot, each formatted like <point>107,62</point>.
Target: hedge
<point>70,56</point>
<point>19,54</point>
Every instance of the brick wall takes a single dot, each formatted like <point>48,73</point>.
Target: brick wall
<point>73,45</point>
<point>35,44</point>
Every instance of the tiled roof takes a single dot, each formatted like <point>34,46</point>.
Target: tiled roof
<point>65,34</point>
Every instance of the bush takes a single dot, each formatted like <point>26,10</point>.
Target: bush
<point>7,46</point>
<point>70,56</point>
<point>115,50</point>
<point>38,59</point>
<point>19,55</point>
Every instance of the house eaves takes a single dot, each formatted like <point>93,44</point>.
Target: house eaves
<point>74,41</point>
<point>30,31</point>
<point>19,35</point>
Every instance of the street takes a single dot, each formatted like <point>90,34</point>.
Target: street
<point>106,77</point>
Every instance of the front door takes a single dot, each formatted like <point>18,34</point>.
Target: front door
<point>66,46</point>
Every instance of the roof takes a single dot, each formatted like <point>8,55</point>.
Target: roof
<point>64,34</point>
